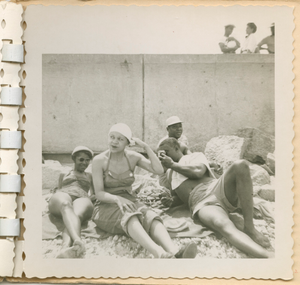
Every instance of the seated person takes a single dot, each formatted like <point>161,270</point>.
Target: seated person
<point>174,129</point>
<point>72,202</point>
<point>210,200</point>
<point>229,44</point>
<point>117,210</point>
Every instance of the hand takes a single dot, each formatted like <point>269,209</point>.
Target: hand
<point>139,142</point>
<point>125,205</point>
<point>166,161</point>
<point>219,170</point>
<point>167,201</point>
<point>93,198</point>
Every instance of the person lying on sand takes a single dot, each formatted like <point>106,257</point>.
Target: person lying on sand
<point>211,200</point>
<point>118,211</point>
<point>72,203</point>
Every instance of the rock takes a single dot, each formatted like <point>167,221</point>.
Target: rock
<point>271,161</point>
<point>198,147</point>
<point>259,144</point>
<point>51,170</point>
<point>259,175</point>
<point>225,150</point>
<point>266,167</point>
<point>267,192</point>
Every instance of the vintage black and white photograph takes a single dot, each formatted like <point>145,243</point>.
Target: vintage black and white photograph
<point>165,151</point>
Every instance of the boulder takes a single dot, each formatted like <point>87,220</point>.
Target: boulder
<point>225,150</point>
<point>267,192</point>
<point>259,144</point>
<point>51,170</point>
<point>271,161</point>
<point>259,175</point>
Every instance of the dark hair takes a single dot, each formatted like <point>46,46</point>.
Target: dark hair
<point>252,26</point>
<point>171,142</point>
<point>81,151</point>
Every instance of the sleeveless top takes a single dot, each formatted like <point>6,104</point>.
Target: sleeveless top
<point>117,183</point>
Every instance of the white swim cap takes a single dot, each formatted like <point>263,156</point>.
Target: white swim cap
<point>80,148</point>
<point>173,120</point>
<point>123,129</point>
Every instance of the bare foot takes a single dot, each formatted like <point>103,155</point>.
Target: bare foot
<point>258,237</point>
<point>79,247</point>
<point>69,252</point>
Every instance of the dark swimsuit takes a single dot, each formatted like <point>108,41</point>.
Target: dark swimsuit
<point>108,216</point>
<point>76,187</point>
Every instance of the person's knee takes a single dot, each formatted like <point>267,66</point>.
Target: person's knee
<point>66,205</point>
<point>241,166</point>
<point>222,225</point>
<point>88,212</point>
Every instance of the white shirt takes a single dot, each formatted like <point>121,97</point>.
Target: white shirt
<point>194,159</point>
<point>249,44</point>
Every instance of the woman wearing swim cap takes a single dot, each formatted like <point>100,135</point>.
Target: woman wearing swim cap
<point>118,211</point>
<point>72,203</point>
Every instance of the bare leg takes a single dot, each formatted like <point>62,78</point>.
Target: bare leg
<point>67,241</point>
<point>138,233</point>
<point>61,205</point>
<point>161,236</point>
<point>238,185</point>
<point>217,219</point>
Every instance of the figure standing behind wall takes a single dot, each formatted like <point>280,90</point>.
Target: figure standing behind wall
<point>229,44</point>
<point>268,41</point>
<point>250,44</point>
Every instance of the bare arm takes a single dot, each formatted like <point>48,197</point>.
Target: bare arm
<point>152,164</point>
<point>192,171</point>
<point>97,174</point>
<point>60,179</point>
<point>225,49</point>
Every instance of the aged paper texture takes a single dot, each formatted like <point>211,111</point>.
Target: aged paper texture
<point>96,66</point>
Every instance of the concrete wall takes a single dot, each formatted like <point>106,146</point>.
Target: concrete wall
<point>83,95</point>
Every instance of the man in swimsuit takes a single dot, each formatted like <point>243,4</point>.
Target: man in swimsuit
<point>210,200</point>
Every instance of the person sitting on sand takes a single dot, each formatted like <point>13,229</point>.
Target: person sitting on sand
<point>72,203</point>
<point>229,44</point>
<point>268,41</point>
<point>118,211</point>
<point>210,199</point>
<point>174,129</point>
<point>250,43</point>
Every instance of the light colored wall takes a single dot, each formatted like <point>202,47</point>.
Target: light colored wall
<point>83,95</point>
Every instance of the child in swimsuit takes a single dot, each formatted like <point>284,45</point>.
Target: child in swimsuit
<point>117,210</point>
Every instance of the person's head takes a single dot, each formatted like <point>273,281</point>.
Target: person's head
<point>172,148</point>
<point>81,156</point>
<point>174,127</point>
<point>229,29</point>
<point>119,136</point>
<point>273,29</point>
<point>251,28</point>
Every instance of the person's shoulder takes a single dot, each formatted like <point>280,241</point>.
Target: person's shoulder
<point>131,154</point>
<point>101,157</point>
